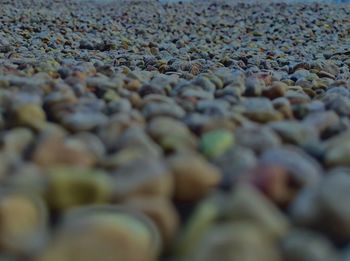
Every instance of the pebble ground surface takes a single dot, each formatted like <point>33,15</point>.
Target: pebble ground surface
<point>140,131</point>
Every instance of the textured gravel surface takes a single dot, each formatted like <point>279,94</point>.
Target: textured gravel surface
<point>140,131</point>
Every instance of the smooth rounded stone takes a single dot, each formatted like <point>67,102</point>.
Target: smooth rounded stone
<point>62,95</point>
<point>196,94</point>
<point>283,105</point>
<point>333,142</point>
<point>306,84</point>
<point>302,168</point>
<point>236,241</point>
<point>229,92</point>
<point>295,132</point>
<point>152,110</point>
<point>204,83</point>
<point>316,106</point>
<point>162,212</point>
<point>296,97</point>
<point>245,203</point>
<point>299,74</point>
<point>199,123</point>
<point>92,142</point>
<point>215,143</point>
<point>17,140</point>
<point>333,203</point>
<point>116,125</point>
<point>147,89</point>
<point>171,134</point>
<point>162,81</point>
<point>133,84</point>
<point>338,155</point>
<point>54,150</point>
<point>104,232</point>
<point>277,89</point>
<point>27,177</point>
<point>338,103</point>
<point>234,163</point>
<point>142,177</point>
<point>5,45</point>
<point>29,115</point>
<point>260,110</point>
<point>69,187</point>
<point>330,68</point>
<point>26,97</point>
<point>213,107</point>
<point>194,177</point>
<point>305,245</point>
<point>138,138</point>
<point>322,120</point>
<point>24,222</point>
<point>324,74</point>
<point>274,182</point>
<point>204,216</point>
<point>114,160</point>
<point>157,98</point>
<point>325,207</point>
<point>84,121</point>
<point>110,96</point>
<point>342,91</point>
<point>257,138</point>
<point>214,79</point>
<point>254,86</point>
<point>235,78</point>
<point>119,105</point>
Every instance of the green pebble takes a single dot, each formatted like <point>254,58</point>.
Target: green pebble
<point>215,143</point>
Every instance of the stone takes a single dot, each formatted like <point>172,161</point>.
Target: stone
<point>163,214</point>
<point>171,134</point>
<point>257,138</point>
<point>260,110</point>
<point>303,169</point>
<point>247,204</point>
<point>325,207</point>
<point>17,140</point>
<point>84,121</point>
<point>254,86</point>
<point>53,150</point>
<point>107,232</point>
<point>294,132</point>
<point>277,89</point>
<point>24,222</point>
<point>236,241</point>
<point>69,187</point>
<point>194,177</point>
<point>29,115</point>
<point>214,143</point>
<point>274,182</point>
<point>236,162</point>
<point>142,177</point>
<point>305,245</point>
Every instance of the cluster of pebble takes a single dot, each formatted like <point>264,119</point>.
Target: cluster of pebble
<point>142,131</point>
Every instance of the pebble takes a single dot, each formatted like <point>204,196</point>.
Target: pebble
<point>260,110</point>
<point>214,143</point>
<point>193,176</point>
<point>162,212</point>
<point>109,228</point>
<point>304,170</point>
<point>68,187</point>
<point>237,241</point>
<point>324,208</point>
<point>257,138</point>
<point>300,245</point>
